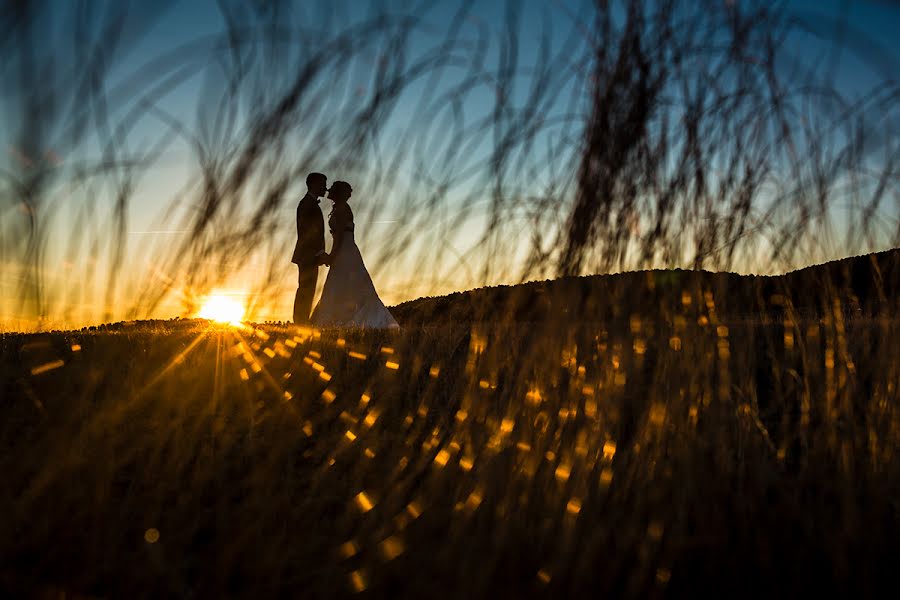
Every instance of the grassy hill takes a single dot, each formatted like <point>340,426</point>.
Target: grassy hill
<point>668,452</point>
<point>863,285</point>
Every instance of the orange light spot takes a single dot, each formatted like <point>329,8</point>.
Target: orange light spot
<point>358,580</point>
<point>391,548</point>
<point>606,477</point>
<point>574,506</point>
<point>442,457</point>
<point>609,449</point>
<point>47,367</point>
<point>364,503</point>
<point>474,499</point>
<point>414,509</point>
<point>348,549</point>
<point>635,323</point>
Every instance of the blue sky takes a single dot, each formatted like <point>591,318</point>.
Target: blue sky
<point>868,26</point>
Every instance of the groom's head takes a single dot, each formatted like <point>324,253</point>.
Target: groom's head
<point>317,184</point>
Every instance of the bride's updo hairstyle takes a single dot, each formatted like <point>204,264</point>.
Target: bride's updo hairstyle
<point>341,190</point>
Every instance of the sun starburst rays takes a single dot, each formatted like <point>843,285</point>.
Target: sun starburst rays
<point>222,308</point>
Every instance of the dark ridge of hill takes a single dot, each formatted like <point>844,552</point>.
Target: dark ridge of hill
<point>864,285</point>
<point>160,326</point>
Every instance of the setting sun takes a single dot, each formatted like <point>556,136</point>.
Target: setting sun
<point>223,309</point>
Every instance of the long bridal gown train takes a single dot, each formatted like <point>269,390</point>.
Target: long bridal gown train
<point>349,298</point>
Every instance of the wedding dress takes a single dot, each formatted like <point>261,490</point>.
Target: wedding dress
<point>349,298</point>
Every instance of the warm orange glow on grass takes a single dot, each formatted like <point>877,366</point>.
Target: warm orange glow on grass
<point>223,309</point>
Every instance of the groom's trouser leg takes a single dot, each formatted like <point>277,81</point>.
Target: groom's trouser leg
<point>306,288</point>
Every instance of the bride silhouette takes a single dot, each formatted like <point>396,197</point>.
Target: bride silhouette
<point>349,298</point>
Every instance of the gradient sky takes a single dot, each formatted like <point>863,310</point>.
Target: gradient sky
<point>872,49</point>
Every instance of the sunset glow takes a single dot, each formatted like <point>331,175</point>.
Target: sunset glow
<point>223,309</point>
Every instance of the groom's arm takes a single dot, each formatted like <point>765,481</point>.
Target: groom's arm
<point>310,234</point>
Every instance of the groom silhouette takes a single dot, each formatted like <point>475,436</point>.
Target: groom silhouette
<point>310,248</point>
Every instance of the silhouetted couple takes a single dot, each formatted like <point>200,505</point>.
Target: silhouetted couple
<point>349,298</point>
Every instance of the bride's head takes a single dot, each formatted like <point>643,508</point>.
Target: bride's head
<point>340,191</point>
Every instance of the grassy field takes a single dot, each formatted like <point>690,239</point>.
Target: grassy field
<point>673,456</point>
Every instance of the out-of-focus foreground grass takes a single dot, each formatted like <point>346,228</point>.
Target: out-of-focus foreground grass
<point>666,456</point>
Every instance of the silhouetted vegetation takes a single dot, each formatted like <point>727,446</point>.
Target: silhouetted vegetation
<point>632,458</point>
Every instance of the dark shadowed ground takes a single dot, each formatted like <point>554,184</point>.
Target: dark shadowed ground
<point>673,454</point>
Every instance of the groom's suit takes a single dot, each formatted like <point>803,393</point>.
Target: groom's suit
<point>310,242</point>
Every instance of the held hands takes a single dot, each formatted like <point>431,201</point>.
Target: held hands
<point>323,258</point>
